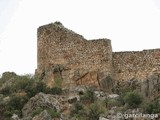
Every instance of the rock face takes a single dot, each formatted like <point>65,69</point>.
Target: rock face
<point>68,60</point>
<point>151,87</point>
<point>42,100</point>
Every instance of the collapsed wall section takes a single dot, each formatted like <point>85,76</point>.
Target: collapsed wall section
<point>66,56</point>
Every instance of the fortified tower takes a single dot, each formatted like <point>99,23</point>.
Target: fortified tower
<point>69,60</point>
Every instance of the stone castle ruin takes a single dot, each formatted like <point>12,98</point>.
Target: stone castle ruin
<point>67,59</point>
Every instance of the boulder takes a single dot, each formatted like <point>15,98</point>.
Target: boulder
<point>42,100</point>
<point>107,84</point>
<point>102,118</point>
<point>113,96</point>
<point>15,117</point>
<point>6,100</point>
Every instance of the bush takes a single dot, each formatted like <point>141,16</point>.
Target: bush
<point>152,108</point>
<point>55,90</point>
<point>8,75</point>
<point>6,91</point>
<point>15,104</point>
<point>78,106</point>
<point>53,113</point>
<point>40,87</point>
<point>88,95</point>
<point>94,111</point>
<point>124,90</point>
<point>37,111</point>
<point>133,99</point>
<point>58,82</point>
<point>35,88</point>
<point>23,82</point>
<point>91,112</point>
<point>7,114</point>
<point>113,102</point>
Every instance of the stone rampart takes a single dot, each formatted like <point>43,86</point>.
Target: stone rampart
<point>67,59</point>
<point>79,62</point>
<point>137,64</point>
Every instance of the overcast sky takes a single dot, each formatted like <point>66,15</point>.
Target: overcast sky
<point>130,24</point>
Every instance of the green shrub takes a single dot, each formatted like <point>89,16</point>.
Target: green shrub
<point>113,102</point>
<point>124,90</point>
<point>55,90</point>
<point>35,88</point>
<point>133,99</point>
<point>91,112</point>
<point>58,82</point>
<point>37,111</point>
<point>6,91</point>
<point>94,111</point>
<point>152,107</point>
<point>88,95</point>
<point>78,106</point>
<point>2,108</point>
<point>23,82</point>
<point>8,75</point>
<point>53,113</point>
<point>15,104</point>
<point>7,114</point>
<point>40,87</point>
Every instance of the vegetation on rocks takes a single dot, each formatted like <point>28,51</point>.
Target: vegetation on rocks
<point>18,94</point>
<point>133,99</point>
<point>17,90</point>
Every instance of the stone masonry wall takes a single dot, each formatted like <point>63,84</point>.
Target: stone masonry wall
<point>138,64</point>
<point>67,59</point>
<point>65,55</point>
<point>139,70</point>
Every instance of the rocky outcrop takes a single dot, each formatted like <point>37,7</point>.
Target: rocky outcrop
<point>149,88</point>
<point>42,100</point>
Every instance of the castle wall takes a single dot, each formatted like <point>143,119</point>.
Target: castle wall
<point>137,64</point>
<point>80,62</point>
<point>66,59</point>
